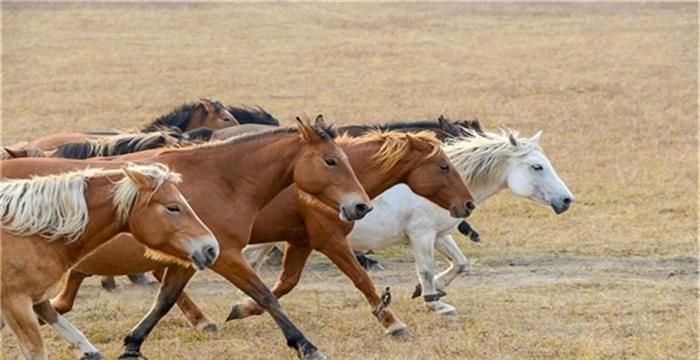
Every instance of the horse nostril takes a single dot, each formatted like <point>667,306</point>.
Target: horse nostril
<point>210,252</point>
<point>470,205</point>
<point>361,208</point>
<point>567,201</point>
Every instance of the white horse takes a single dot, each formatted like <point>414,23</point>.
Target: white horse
<point>489,162</point>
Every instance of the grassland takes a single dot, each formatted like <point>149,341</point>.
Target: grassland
<point>613,86</point>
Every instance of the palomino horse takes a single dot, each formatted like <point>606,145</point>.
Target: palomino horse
<point>489,162</point>
<point>414,159</point>
<point>227,184</point>
<point>49,223</point>
<point>204,113</point>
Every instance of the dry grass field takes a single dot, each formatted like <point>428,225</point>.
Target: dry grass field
<point>613,86</point>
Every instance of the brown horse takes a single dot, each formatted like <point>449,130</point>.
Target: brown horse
<point>204,113</point>
<point>414,159</point>
<point>50,223</point>
<point>227,184</point>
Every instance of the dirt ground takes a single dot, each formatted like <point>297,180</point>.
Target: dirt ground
<point>613,86</point>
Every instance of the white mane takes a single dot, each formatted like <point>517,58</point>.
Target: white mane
<point>480,157</point>
<point>55,207</point>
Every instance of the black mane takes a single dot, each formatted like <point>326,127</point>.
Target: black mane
<point>245,115</point>
<point>124,144</point>
<point>442,127</point>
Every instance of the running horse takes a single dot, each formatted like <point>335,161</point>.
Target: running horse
<point>243,173</point>
<point>205,113</point>
<point>307,224</point>
<point>49,223</point>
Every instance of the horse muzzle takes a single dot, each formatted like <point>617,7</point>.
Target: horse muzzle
<point>463,211</point>
<point>206,254</point>
<point>355,211</point>
<point>561,205</point>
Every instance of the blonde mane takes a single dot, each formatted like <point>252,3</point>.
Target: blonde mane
<point>480,157</point>
<point>55,206</point>
<point>395,145</point>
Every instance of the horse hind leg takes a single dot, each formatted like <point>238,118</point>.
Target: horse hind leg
<point>20,318</point>
<point>69,332</point>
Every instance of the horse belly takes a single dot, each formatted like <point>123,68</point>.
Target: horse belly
<point>122,255</point>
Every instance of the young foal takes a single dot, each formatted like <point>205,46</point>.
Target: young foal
<point>50,223</point>
<point>227,184</point>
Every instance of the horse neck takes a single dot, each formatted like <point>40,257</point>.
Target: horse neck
<point>103,221</point>
<point>486,188</point>
<point>256,170</point>
<point>373,179</point>
<point>196,120</point>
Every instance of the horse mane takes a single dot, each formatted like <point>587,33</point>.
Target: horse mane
<point>421,125</point>
<point>122,144</point>
<point>178,118</point>
<point>55,206</point>
<point>246,115</point>
<point>482,155</point>
<point>325,132</point>
<point>395,145</point>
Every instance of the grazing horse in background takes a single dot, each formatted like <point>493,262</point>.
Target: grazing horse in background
<point>49,223</point>
<point>265,164</point>
<point>204,113</point>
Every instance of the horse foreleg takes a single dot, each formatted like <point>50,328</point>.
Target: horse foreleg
<point>109,283</point>
<point>292,266</point>
<point>194,315</point>
<point>255,254</point>
<point>338,251</point>
<point>232,265</point>
<point>69,332</point>
<point>20,318</point>
<point>459,264</point>
<point>423,245</point>
<point>63,302</point>
<point>174,281</point>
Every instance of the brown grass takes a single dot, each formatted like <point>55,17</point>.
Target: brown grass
<point>614,87</point>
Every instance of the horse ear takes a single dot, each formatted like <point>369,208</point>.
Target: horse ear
<point>14,154</point>
<point>513,140</point>
<point>536,139</point>
<point>419,144</point>
<point>444,123</point>
<point>307,133</point>
<point>143,182</point>
<point>207,104</point>
<point>320,121</point>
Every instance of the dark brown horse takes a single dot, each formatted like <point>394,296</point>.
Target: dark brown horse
<point>227,183</point>
<point>204,113</point>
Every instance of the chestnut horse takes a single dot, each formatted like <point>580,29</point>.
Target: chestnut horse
<point>204,113</point>
<point>227,184</point>
<point>415,159</point>
<point>49,223</point>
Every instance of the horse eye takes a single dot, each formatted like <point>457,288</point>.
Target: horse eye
<point>444,167</point>
<point>330,162</point>
<point>225,119</point>
<point>173,209</point>
<point>537,167</point>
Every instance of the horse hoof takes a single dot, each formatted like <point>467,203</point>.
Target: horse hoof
<point>314,355</point>
<point>401,334</point>
<point>236,313</point>
<point>91,356</point>
<point>207,327</point>
<point>131,355</point>
<point>417,291</point>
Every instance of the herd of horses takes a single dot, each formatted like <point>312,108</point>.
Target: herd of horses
<point>215,186</point>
